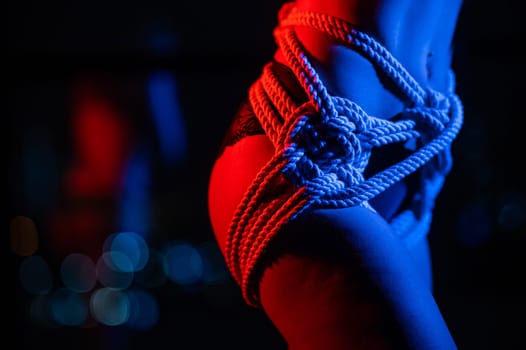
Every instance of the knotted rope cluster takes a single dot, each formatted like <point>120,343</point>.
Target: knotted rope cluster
<point>323,146</point>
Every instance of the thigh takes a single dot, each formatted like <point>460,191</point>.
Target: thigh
<point>232,173</point>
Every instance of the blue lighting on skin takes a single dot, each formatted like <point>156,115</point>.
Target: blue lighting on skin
<point>183,264</point>
<point>167,116</point>
<point>135,202</point>
<point>35,275</point>
<point>68,308</point>
<point>144,310</point>
<point>78,272</point>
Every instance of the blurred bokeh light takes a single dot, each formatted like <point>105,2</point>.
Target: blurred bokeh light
<point>116,111</point>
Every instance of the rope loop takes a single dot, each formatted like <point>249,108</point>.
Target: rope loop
<point>324,150</point>
<point>323,146</point>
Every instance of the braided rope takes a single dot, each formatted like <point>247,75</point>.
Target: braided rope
<point>323,146</point>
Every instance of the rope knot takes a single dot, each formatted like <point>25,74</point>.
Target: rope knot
<point>432,116</point>
<point>436,100</point>
<point>323,146</point>
<point>326,154</point>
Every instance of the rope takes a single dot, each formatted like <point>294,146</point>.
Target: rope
<point>323,146</point>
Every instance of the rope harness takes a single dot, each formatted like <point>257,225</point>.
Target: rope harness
<point>323,146</point>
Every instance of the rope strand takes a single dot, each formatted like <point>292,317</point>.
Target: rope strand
<point>323,146</point>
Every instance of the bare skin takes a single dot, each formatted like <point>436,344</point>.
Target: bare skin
<point>342,279</point>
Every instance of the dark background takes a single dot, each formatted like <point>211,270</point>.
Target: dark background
<point>215,50</point>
